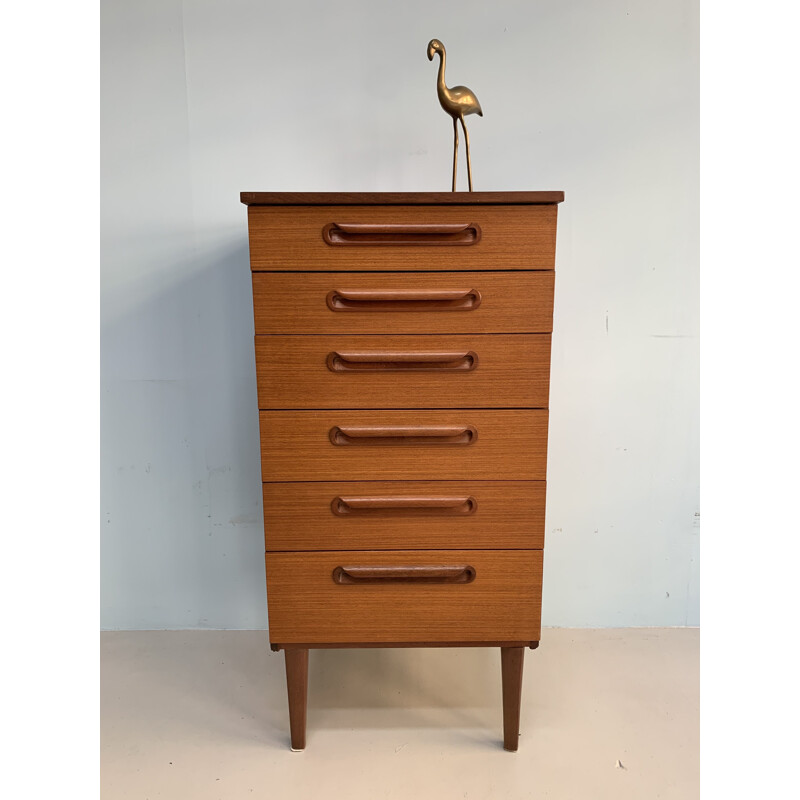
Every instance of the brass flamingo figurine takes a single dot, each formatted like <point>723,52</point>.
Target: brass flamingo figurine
<point>457,102</point>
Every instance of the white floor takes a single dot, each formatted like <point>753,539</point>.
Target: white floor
<point>202,714</point>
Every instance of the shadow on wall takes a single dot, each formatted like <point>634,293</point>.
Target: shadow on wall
<point>182,535</point>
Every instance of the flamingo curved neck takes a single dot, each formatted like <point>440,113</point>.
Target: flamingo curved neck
<point>441,88</point>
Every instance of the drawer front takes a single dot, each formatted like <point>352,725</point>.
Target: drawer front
<point>453,371</point>
<point>403,445</point>
<point>399,515</point>
<point>404,596</point>
<point>418,302</point>
<point>423,238</point>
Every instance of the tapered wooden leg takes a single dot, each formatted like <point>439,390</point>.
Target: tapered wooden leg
<point>512,659</point>
<point>297,687</point>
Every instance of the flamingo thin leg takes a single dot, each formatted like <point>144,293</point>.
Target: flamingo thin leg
<point>469,163</point>
<point>455,151</point>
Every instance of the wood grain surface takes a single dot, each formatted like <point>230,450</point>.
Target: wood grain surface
<point>508,445</point>
<point>506,515</point>
<point>289,238</point>
<point>452,371</point>
<point>276,646</point>
<point>503,602</point>
<point>511,302</point>
<point>399,198</point>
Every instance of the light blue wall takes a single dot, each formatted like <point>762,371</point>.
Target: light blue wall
<point>201,100</point>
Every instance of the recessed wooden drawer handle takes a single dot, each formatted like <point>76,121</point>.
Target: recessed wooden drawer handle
<point>402,362</point>
<point>366,436</point>
<point>460,573</point>
<point>433,505</point>
<point>403,300</point>
<point>401,233</point>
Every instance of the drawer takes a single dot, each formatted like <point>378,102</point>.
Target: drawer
<point>422,238</point>
<point>404,596</point>
<point>401,515</point>
<point>453,371</point>
<point>416,302</point>
<point>348,445</point>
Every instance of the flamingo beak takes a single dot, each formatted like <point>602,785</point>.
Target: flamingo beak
<point>431,52</point>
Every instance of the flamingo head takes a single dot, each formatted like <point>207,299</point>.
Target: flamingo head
<point>435,46</point>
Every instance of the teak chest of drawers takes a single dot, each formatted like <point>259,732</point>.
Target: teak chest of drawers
<point>402,347</point>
